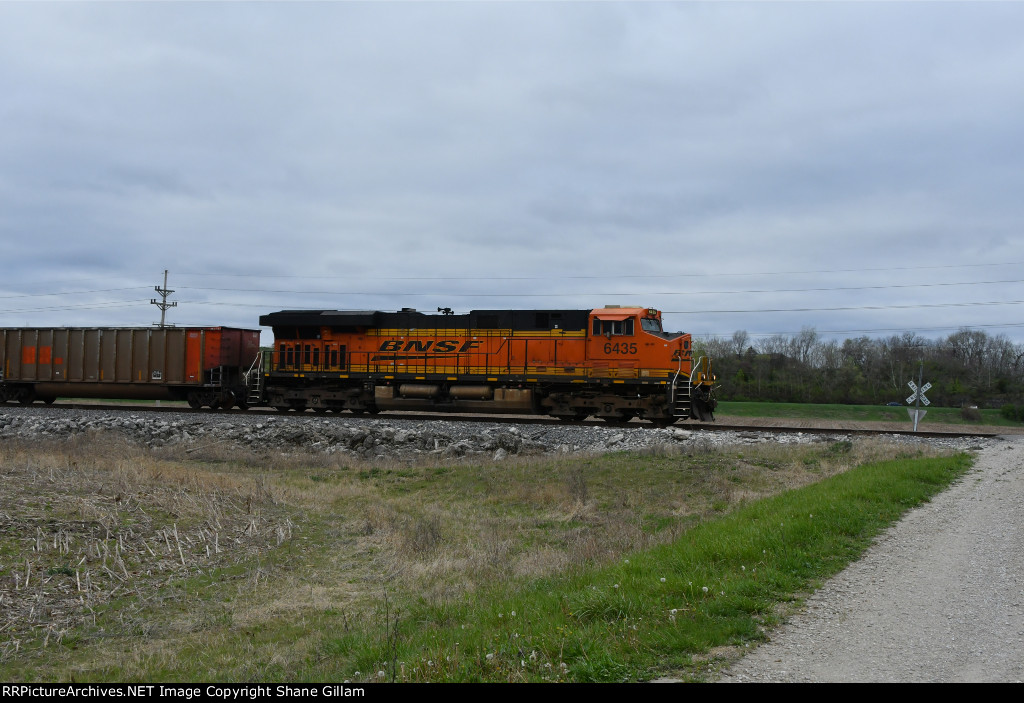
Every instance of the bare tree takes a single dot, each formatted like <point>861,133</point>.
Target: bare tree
<point>803,346</point>
<point>774,345</point>
<point>740,342</point>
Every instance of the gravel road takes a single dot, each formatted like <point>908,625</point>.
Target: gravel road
<point>940,597</point>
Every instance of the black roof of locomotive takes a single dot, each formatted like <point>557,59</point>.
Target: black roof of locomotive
<point>319,318</point>
<point>413,319</point>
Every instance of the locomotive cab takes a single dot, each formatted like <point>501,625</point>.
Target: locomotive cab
<point>632,338</point>
<point>630,343</point>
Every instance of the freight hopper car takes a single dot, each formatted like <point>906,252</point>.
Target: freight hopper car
<point>205,366</point>
<point>615,363</point>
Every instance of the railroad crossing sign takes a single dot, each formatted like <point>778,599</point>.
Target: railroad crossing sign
<point>916,413</point>
<point>918,394</point>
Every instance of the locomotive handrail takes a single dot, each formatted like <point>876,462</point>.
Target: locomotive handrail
<point>257,364</point>
<point>672,388</point>
<point>698,366</point>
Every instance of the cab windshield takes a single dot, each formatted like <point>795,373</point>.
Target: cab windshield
<point>650,325</point>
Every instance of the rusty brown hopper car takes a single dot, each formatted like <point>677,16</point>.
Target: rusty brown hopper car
<point>202,365</point>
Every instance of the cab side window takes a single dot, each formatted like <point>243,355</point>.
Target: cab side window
<point>613,327</point>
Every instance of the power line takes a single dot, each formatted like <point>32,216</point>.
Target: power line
<point>554,277</point>
<point>702,311</point>
<point>560,277</point>
<point>450,294</point>
<point>65,308</point>
<point>71,292</point>
<point>719,335</point>
<point>915,306</point>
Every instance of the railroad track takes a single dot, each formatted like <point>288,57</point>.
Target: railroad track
<point>520,420</point>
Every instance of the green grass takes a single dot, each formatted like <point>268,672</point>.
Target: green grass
<point>655,612</point>
<point>857,413</point>
<point>539,569</point>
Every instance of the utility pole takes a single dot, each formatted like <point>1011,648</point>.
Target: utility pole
<point>163,304</point>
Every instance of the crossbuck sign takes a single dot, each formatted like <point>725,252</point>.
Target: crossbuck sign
<point>918,393</point>
<point>916,414</point>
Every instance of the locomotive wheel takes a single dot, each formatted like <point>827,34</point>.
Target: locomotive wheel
<point>621,418</point>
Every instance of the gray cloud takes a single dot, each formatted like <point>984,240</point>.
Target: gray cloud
<point>486,155</point>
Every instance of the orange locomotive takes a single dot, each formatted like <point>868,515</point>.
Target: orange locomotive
<point>615,362</point>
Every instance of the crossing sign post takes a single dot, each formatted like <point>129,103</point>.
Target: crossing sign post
<point>917,397</point>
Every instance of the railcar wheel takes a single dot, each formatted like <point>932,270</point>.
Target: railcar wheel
<point>194,401</point>
<point>282,408</point>
<point>227,400</point>
<point>49,400</point>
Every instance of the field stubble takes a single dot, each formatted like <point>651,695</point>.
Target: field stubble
<point>126,562</point>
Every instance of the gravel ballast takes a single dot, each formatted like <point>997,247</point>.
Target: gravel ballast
<point>383,436</point>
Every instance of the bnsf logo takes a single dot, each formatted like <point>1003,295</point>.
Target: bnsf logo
<point>444,345</point>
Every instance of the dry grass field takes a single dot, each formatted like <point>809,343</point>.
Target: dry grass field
<point>118,561</point>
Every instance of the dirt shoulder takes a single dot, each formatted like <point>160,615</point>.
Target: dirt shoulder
<point>940,597</point>
<point>846,424</point>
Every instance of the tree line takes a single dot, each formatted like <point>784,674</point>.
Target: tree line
<point>969,367</point>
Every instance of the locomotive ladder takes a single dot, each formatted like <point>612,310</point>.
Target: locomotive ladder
<point>681,395</point>
<point>254,381</point>
<point>682,388</point>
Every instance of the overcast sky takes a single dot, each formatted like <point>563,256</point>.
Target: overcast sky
<point>853,167</point>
